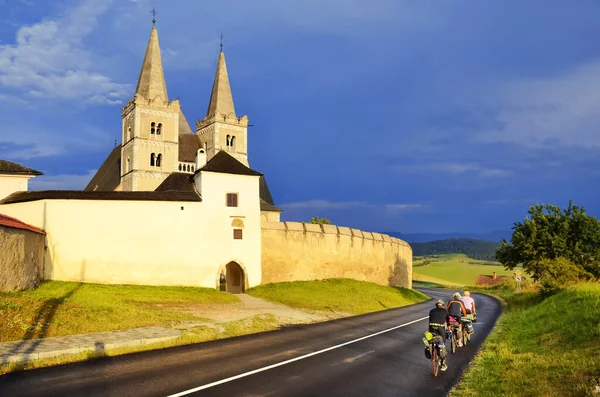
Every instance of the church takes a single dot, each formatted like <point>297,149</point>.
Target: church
<point>170,206</point>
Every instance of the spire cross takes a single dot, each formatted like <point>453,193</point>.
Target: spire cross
<point>153,16</point>
<point>221,42</point>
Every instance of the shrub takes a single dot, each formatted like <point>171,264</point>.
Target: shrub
<point>559,273</point>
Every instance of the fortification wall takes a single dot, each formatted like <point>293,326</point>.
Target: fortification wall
<point>21,259</point>
<point>293,251</point>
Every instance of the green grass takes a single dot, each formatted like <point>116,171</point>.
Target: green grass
<point>456,268</point>
<point>540,347</point>
<point>64,308</point>
<point>337,295</point>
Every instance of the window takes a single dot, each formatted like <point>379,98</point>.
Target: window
<point>127,165</point>
<point>129,133</point>
<point>159,129</point>
<point>152,160</point>
<point>188,168</point>
<point>232,199</point>
<point>237,234</point>
<point>153,128</point>
<point>158,159</point>
<point>232,142</point>
<point>179,167</point>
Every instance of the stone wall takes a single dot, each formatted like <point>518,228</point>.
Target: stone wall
<point>21,259</point>
<point>294,251</point>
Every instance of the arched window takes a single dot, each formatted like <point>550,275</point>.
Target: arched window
<point>188,168</point>
<point>159,129</point>
<point>152,128</point>
<point>152,160</point>
<point>179,167</point>
<point>129,133</point>
<point>192,168</point>
<point>158,158</point>
<point>127,165</point>
<point>233,142</point>
<point>228,141</point>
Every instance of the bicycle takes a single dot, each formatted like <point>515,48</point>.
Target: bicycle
<point>436,351</point>
<point>454,326</point>
<point>467,328</point>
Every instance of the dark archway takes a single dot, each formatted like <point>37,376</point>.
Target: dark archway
<point>234,278</point>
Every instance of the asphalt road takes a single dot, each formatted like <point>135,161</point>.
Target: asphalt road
<point>377,354</point>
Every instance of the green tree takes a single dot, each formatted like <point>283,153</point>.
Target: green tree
<point>320,221</point>
<point>550,233</point>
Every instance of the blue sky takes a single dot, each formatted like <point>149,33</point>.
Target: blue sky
<point>386,115</point>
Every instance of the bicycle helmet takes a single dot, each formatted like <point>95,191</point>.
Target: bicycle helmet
<point>439,302</point>
<point>457,295</point>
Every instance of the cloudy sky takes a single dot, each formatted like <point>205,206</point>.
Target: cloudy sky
<point>387,115</point>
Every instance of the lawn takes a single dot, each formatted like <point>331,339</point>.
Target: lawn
<point>540,348</point>
<point>338,295</point>
<point>63,308</point>
<point>456,268</point>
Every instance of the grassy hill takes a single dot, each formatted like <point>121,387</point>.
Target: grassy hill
<point>476,249</point>
<point>454,268</point>
<point>540,348</point>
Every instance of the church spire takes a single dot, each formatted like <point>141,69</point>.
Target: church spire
<point>221,99</point>
<point>151,83</point>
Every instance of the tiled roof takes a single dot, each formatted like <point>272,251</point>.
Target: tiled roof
<point>8,167</point>
<point>14,223</point>
<point>188,142</point>
<point>483,279</point>
<point>108,176</point>
<point>177,182</point>
<point>225,163</point>
<point>21,197</point>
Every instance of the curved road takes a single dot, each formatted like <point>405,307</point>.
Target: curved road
<point>376,354</point>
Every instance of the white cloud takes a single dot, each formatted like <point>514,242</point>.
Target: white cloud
<point>333,205</point>
<point>454,169</point>
<point>61,182</point>
<point>563,110</point>
<point>50,59</point>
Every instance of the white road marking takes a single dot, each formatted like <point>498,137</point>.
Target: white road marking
<point>226,380</point>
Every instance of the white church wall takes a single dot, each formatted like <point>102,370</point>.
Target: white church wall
<point>220,218</point>
<point>13,183</point>
<point>142,242</point>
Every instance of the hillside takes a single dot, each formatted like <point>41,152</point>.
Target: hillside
<point>454,268</point>
<point>476,249</point>
<point>496,235</point>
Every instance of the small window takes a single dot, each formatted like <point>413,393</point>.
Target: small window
<point>232,199</point>
<point>128,133</point>
<point>152,156</point>
<point>159,129</point>
<point>188,168</point>
<point>153,127</point>
<point>232,142</point>
<point>158,159</point>
<point>237,234</point>
<point>179,167</point>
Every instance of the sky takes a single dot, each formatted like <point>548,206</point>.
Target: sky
<point>386,115</point>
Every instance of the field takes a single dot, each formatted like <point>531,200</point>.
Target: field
<point>540,347</point>
<point>454,269</point>
<point>337,295</point>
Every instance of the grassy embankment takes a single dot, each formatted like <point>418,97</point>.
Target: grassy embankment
<point>337,295</point>
<point>454,269</point>
<point>540,347</point>
<point>62,308</point>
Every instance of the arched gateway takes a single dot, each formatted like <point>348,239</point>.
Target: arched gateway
<point>232,278</point>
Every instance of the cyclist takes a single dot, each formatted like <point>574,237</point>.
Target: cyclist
<point>456,309</point>
<point>469,304</point>
<point>438,318</point>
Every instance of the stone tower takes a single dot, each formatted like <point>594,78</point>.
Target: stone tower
<point>150,127</point>
<point>221,129</point>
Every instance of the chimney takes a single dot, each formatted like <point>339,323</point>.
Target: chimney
<point>494,275</point>
<point>200,158</point>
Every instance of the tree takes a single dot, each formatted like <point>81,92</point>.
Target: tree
<point>320,221</point>
<point>550,233</point>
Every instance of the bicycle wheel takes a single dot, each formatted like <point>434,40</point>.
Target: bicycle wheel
<point>465,337</point>
<point>454,341</point>
<point>434,361</point>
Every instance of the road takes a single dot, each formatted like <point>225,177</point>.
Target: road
<point>377,354</point>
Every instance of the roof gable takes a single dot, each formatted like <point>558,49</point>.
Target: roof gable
<point>9,221</point>
<point>224,163</point>
<point>8,167</point>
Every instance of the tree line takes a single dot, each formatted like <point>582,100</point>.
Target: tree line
<point>473,248</point>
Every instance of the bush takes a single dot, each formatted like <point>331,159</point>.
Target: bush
<point>559,273</point>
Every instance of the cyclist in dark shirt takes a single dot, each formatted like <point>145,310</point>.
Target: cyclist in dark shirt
<point>438,318</point>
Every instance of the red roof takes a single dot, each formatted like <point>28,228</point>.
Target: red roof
<point>17,224</point>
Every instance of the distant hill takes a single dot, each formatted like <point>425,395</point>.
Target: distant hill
<point>476,249</point>
<point>496,235</point>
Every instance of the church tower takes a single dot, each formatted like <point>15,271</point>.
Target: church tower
<point>150,127</point>
<point>221,129</point>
